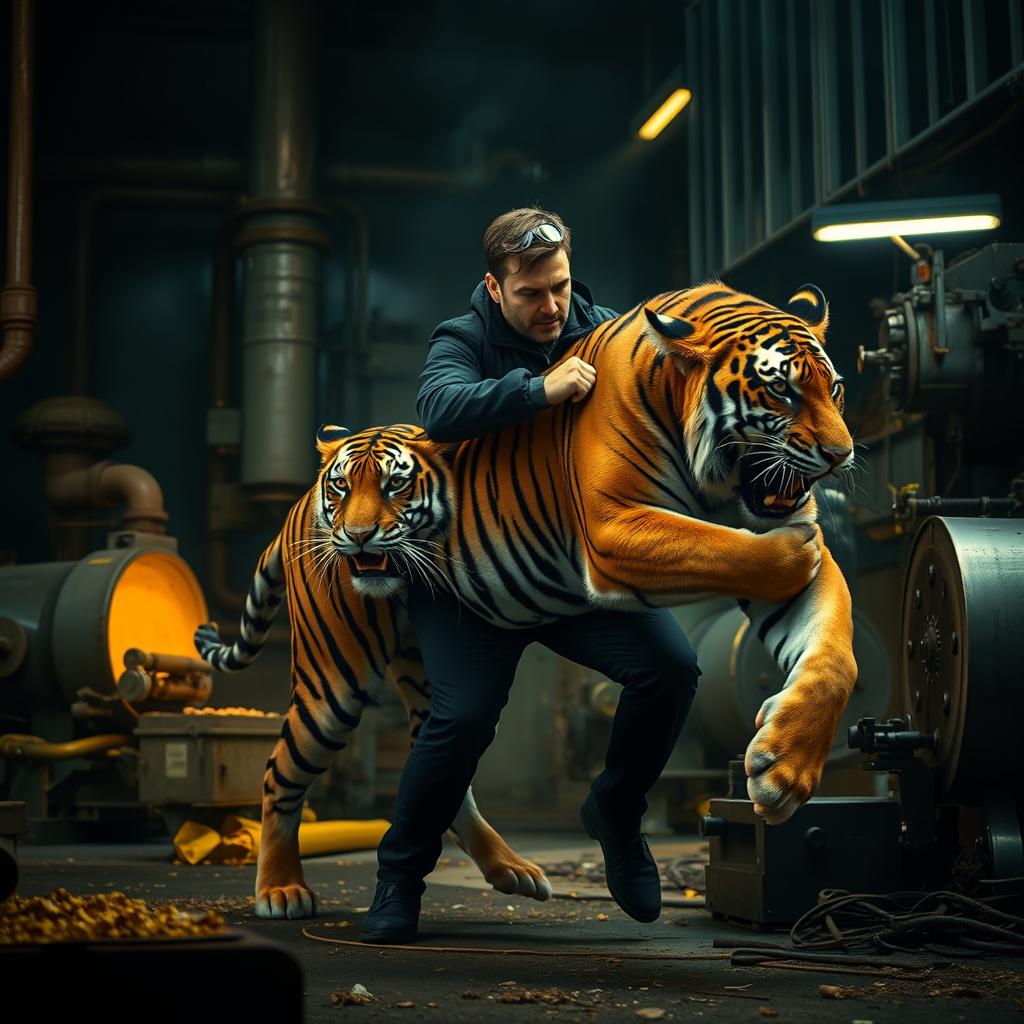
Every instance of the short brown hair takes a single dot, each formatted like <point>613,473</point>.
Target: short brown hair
<point>506,231</point>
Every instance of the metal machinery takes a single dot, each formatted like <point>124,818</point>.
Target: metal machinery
<point>69,696</point>
<point>951,354</point>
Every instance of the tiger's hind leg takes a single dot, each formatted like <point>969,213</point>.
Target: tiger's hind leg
<point>312,734</point>
<point>500,865</point>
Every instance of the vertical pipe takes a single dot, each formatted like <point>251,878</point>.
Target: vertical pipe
<point>709,111</point>
<point>796,136</point>
<point>725,129</point>
<point>695,184</point>
<point>817,139</point>
<point>894,51</point>
<point>280,239</point>
<point>1016,34</point>
<point>975,59</point>
<point>828,98</point>
<point>931,56</point>
<point>860,123</point>
<point>771,135</point>
<point>747,237</point>
<point>18,297</point>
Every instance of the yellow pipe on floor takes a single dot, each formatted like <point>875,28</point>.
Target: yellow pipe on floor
<point>15,744</point>
<point>319,837</point>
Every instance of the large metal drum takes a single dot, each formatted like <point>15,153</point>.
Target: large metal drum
<point>962,636</point>
<point>69,623</point>
<point>739,675</point>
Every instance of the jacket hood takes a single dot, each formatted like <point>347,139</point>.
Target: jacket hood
<point>498,330</point>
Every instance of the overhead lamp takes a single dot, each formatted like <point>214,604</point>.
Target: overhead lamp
<point>893,219</point>
<point>662,107</point>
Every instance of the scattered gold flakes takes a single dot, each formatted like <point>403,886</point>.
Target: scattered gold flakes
<point>61,917</point>
<point>247,712</point>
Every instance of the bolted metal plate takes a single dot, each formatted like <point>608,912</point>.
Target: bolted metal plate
<point>962,637</point>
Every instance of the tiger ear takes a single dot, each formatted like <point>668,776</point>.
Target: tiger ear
<point>810,305</point>
<point>328,441</point>
<point>672,335</point>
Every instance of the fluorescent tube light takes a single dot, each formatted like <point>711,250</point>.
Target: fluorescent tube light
<point>845,222</point>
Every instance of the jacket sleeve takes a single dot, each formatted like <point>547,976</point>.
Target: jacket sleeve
<point>455,402</point>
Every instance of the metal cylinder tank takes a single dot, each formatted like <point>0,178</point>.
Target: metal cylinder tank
<point>739,675</point>
<point>962,632</point>
<point>77,619</point>
<point>281,238</point>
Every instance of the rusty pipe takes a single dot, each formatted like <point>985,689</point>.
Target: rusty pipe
<point>34,748</point>
<point>18,298</point>
<point>108,485</point>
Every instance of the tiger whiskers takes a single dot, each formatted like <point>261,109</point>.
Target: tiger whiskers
<point>425,567</point>
<point>439,551</point>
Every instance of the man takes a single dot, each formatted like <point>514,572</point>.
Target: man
<point>484,371</point>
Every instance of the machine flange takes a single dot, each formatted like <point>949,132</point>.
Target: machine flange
<point>962,639</point>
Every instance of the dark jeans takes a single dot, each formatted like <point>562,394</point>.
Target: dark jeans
<point>471,665</point>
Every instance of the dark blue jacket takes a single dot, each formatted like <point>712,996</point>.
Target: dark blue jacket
<point>481,375</point>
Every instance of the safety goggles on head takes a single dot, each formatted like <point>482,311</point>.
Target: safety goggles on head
<point>547,232</point>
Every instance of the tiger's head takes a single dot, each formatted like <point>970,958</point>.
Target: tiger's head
<point>762,404</point>
<point>382,495</point>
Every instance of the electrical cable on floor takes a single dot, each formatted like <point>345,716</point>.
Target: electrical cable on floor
<point>588,954</point>
<point>867,929</point>
<point>770,960</point>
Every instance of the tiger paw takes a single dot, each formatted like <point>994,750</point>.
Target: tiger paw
<point>785,758</point>
<point>513,875</point>
<point>285,901</point>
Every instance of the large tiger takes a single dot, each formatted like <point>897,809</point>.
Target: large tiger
<point>378,500</point>
<point>686,474</point>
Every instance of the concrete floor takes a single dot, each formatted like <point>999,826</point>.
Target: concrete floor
<point>607,987</point>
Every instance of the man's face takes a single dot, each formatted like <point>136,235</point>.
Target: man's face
<point>535,302</point>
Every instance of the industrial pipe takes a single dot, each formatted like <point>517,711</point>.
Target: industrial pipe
<point>18,297</point>
<point>34,748</point>
<point>109,485</point>
<point>281,237</point>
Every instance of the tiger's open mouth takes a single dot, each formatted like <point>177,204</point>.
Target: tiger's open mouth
<point>367,563</point>
<point>770,490</point>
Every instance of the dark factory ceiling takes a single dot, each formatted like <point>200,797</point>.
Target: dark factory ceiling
<point>418,83</point>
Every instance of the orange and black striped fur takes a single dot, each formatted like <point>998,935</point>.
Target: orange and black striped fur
<point>342,558</point>
<point>685,474</point>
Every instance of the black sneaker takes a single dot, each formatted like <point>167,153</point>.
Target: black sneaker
<point>394,914</point>
<point>629,868</point>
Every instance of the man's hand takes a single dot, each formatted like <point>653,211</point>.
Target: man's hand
<point>572,379</point>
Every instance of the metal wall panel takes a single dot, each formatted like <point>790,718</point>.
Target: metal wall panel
<point>749,65</point>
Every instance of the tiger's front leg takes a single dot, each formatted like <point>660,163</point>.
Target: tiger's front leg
<point>310,738</point>
<point>668,558</point>
<point>811,638</point>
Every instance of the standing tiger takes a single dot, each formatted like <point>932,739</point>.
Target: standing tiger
<point>342,557</point>
<point>686,474</point>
